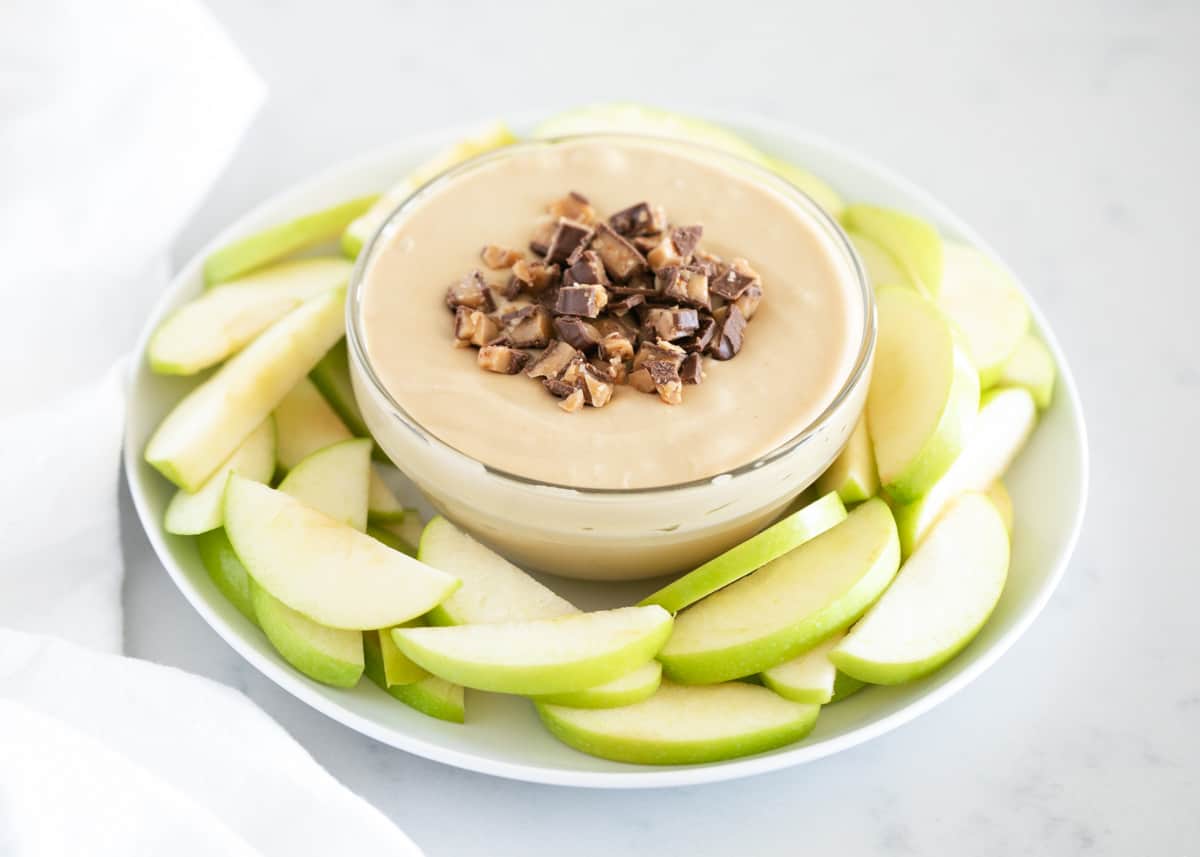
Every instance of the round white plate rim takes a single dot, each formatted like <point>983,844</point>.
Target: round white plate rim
<point>649,777</point>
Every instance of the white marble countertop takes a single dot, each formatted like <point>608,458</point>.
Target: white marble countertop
<point>1068,134</point>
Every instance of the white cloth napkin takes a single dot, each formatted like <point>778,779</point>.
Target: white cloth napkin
<point>115,118</point>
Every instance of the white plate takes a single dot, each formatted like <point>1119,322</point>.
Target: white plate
<point>503,736</point>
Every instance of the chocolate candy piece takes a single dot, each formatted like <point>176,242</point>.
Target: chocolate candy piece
<point>553,361</point>
<point>661,350</point>
<point>707,263</point>
<point>621,259</point>
<point>569,236</point>
<point>658,376</point>
<point>586,301</point>
<point>664,255</point>
<point>587,270</point>
<point>734,279</point>
<point>573,206</point>
<point>533,277</point>
<point>639,284</point>
<point>498,258</point>
<point>502,359</point>
<point>686,239</point>
<point>730,330</point>
<point>684,285</point>
<point>625,304</point>
<point>532,328</point>
<point>749,301</point>
<point>616,346</point>
<point>670,323</point>
<point>698,342</point>
<point>472,292</point>
<point>597,386</point>
<point>473,327</point>
<point>691,370</point>
<point>542,233</point>
<point>576,332</point>
<point>639,219</point>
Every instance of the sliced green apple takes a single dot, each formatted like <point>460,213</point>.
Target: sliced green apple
<point>940,599</point>
<point>923,397</point>
<point>1031,366</point>
<point>1006,419</point>
<point>493,590</point>
<point>332,377</point>
<point>789,605</point>
<point>913,243</point>
<point>852,474</point>
<point>986,305</point>
<point>625,690</point>
<point>359,232</point>
<point>226,571</point>
<point>684,725</point>
<point>205,331</point>
<point>773,542</point>
<point>997,492</point>
<point>387,534</point>
<point>332,656</point>
<point>845,686</point>
<point>275,242</point>
<point>567,653</point>
<point>809,677</point>
<point>191,514</point>
<point>430,695</point>
<point>397,668</point>
<point>334,481</point>
<point>383,506</point>
<point>326,570</point>
<point>211,421</point>
<point>882,269</point>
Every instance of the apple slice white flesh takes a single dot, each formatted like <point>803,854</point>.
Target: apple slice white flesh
<point>913,243</point>
<point>332,656</point>
<point>773,542</point>
<point>882,269</point>
<point>986,305</point>
<point>923,397</point>
<point>334,480</point>
<point>684,725</point>
<point>205,331</point>
<point>397,668</point>
<point>226,571</point>
<point>852,474</point>
<point>626,690</point>
<point>360,230</point>
<point>939,601</point>
<point>567,653</point>
<point>787,606</point>
<point>997,492</point>
<point>211,421</point>
<point>430,695</point>
<point>272,244</point>
<point>190,514</point>
<point>1006,419</point>
<point>322,568</point>
<point>809,677</point>
<point>493,589</point>
<point>1031,366</point>
<point>305,422</point>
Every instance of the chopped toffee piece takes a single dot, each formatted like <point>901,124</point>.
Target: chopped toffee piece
<point>698,342</point>
<point>621,259</point>
<point>540,242</point>
<point>640,380</point>
<point>658,376</point>
<point>502,359</point>
<point>573,206</point>
<point>664,255</point>
<point>691,370</point>
<point>734,279</point>
<point>587,270</point>
<point>625,304</point>
<point>597,387</point>
<point>749,301</point>
<point>498,258</point>
<point>671,323</point>
<point>730,329</point>
<point>473,327</point>
<point>638,284</point>
<point>533,277</point>
<point>684,285</point>
<point>616,346</point>
<point>576,332</point>
<point>587,301</point>
<point>640,219</point>
<point>558,389</point>
<point>573,402</point>
<point>472,292</point>
<point>661,351</point>
<point>569,236</point>
<point>551,363</point>
<point>707,263</point>
<point>646,243</point>
<point>532,329</point>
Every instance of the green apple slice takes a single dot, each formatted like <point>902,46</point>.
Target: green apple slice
<point>226,571</point>
<point>845,686</point>
<point>754,553</point>
<point>190,514</point>
<point>211,421</point>
<point>1006,419</point>
<point>332,656</point>
<point>383,506</point>
<point>684,725</point>
<point>626,690</point>
<point>997,492</point>
<point>913,243</point>
<point>882,269</point>
<point>789,605</point>
<point>430,695</point>
<point>809,677</point>
<point>272,244</point>
<point>493,589</point>
<point>326,570</point>
<point>923,397</point>
<point>359,232</point>
<point>332,377</point>
<point>986,305</point>
<point>387,534</point>
<point>852,474</point>
<point>397,668</point>
<point>334,480</point>
<point>940,600</point>
<point>567,653</point>
<point>1031,366</point>
<point>205,331</point>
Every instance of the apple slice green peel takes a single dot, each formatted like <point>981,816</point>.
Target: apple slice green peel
<point>939,601</point>
<point>911,242</point>
<point>1031,366</point>
<point>789,605</point>
<point>191,514</point>
<point>226,571</point>
<point>632,687</point>
<point>430,695</point>
<point>773,542</point>
<point>809,677</point>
